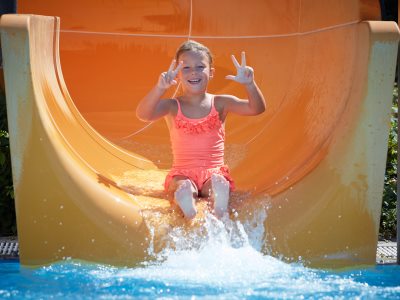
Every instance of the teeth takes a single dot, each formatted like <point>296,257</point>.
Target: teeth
<point>194,81</point>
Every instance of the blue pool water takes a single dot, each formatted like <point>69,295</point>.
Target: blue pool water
<point>225,264</point>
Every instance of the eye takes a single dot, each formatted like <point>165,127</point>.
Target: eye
<point>200,68</point>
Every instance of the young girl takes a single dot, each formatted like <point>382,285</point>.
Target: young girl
<point>196,121</point>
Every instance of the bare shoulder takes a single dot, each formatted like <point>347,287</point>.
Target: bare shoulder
<point>223,101</point>
<point>170,106</point>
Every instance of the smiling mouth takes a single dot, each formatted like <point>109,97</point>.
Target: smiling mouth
<point>194,81</point>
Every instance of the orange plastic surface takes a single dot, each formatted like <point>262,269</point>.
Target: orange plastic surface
<point>88,175</point>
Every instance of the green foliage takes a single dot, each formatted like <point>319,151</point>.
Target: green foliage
<point>388,216</point>
<point>7,209</point>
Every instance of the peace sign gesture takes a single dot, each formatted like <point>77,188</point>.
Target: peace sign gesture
<point>167,79</point>
<point>245,74</point>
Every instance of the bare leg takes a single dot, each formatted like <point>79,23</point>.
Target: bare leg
<point>184,197</point>
<point>219,188</point>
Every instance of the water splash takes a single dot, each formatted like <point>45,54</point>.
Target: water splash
<point>220,259</point>
<point>204,233</point>
<point>225,264</point>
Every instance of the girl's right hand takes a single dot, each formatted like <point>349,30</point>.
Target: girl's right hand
<point>167,79</point>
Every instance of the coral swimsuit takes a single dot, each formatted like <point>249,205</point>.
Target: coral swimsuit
<point>198,148</point>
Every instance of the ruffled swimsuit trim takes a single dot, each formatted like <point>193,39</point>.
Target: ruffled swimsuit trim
<point>197,126</point>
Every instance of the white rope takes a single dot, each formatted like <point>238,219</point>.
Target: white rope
<point>189,36</point>
<point>217,37</point>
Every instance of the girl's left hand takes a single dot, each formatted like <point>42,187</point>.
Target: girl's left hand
<point>245,74</point>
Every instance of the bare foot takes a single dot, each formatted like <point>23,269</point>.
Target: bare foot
<point>184,198</point>
<point>220,188</point>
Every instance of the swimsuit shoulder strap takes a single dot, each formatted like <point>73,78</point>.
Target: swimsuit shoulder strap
<point>213,108</point>
<point>179,112</point>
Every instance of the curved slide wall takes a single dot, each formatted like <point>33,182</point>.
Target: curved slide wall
<point>88,175</point>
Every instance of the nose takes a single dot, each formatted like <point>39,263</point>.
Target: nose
<point>191,70</point>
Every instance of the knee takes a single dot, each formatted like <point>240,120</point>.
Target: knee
<point>219,180</point>
<point>185,185</point>
<point>183,182</point>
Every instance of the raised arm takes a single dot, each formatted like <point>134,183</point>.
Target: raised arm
<point>255,104</point>
<point>151,107</point>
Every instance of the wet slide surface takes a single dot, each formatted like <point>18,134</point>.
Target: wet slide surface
<point>88,175</point>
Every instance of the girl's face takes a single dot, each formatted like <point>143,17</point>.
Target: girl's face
<point>196,72</point>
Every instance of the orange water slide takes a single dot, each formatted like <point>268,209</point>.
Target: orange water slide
<point>88,175</point>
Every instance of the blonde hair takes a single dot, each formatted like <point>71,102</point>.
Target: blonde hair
<point>191,45</point>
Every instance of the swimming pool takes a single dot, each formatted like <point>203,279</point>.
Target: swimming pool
<point>223,264</point>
